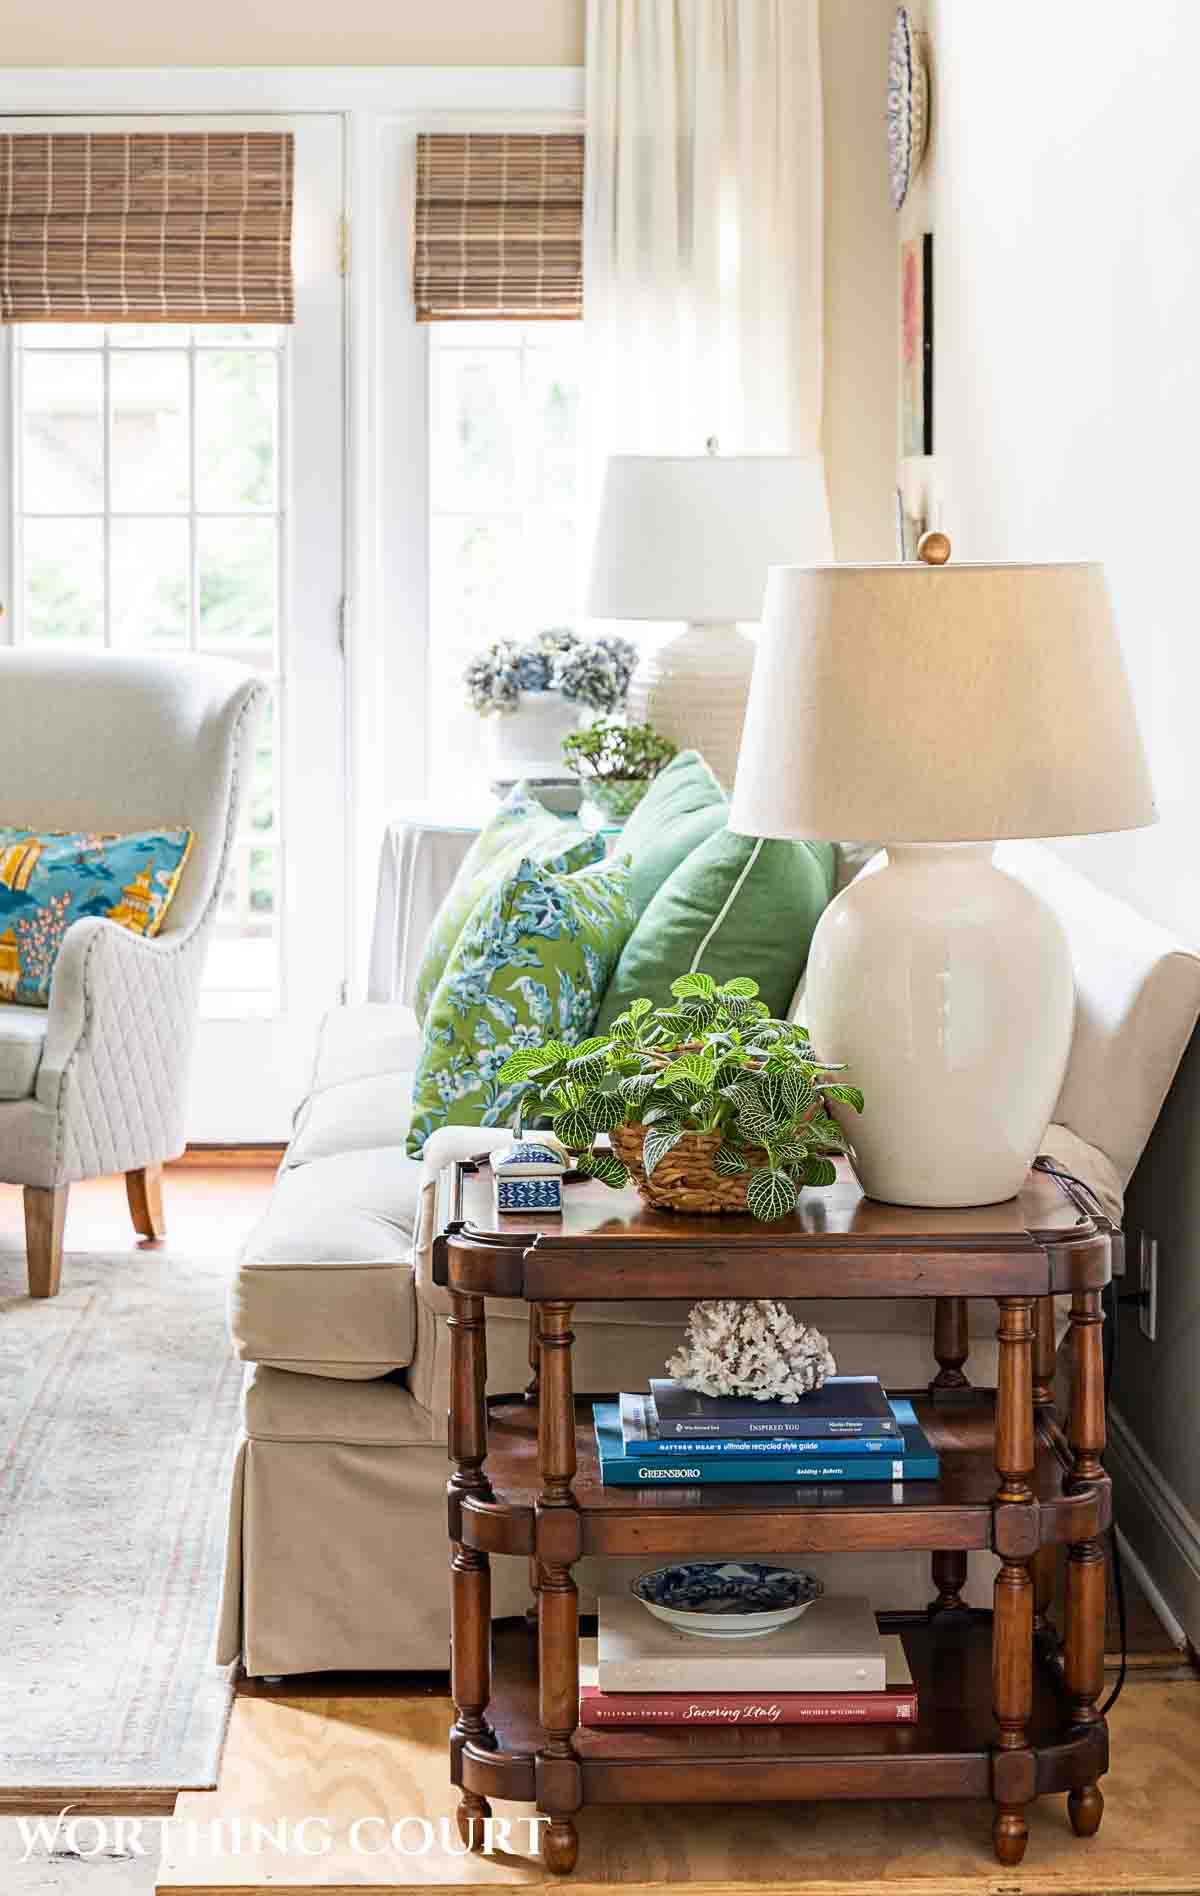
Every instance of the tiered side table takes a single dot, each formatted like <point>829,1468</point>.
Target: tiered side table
<point>1003,1714</point>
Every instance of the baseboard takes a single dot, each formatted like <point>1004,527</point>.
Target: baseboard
<point>1158,1529</point>
<point>222,1156</point>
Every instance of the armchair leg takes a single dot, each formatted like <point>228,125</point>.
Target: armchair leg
<point>45,1216</point>
<point>144,1192</point>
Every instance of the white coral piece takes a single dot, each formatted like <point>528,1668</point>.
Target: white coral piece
<point>754,1348</point>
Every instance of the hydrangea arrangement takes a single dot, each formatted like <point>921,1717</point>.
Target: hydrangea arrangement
<point>590,672</point>
<point>755,1348</point>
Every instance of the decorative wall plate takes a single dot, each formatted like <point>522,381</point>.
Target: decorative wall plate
<point>726,1599</point>
<point>907,106</point>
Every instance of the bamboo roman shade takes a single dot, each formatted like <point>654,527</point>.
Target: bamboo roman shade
<point>499,225</point>
<point>146,227</point>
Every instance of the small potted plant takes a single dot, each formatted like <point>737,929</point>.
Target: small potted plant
<point>710,1104</point>
<point>616,764</point>
<point>532,692</point>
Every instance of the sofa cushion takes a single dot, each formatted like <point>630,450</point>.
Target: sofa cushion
<point>354,1116</point>
<point>355,1043</point>
<point>22,1041</point>
<point>325,1282</point>
<point>680,810</point>
<point>737,905</point>
<point>531,965</point>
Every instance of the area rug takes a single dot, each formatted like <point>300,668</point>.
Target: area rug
<point>118,1412</point>
<point>348,1762</point>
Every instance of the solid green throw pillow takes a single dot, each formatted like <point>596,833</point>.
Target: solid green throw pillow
<point>680,810</point>
<point>531,965</point>
<point>521,827</point>
<point>738,905</point>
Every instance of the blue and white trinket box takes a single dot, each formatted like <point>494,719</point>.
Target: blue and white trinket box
<point>528,1175</point>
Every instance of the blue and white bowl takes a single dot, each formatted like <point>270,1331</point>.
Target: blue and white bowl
<point>726,1599</point>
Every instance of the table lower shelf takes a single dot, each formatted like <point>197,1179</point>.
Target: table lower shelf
<point>947,1752</point>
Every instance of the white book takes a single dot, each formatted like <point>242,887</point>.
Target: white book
<point>834,1647</point>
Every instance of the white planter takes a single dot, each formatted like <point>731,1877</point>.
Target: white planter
<point>945,985</point>
<point>527,742</point>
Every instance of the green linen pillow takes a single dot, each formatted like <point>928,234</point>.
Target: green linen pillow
<point>521,828</point>
<point>680,810</point>
<point>531,965</point>
<point>737,905</point>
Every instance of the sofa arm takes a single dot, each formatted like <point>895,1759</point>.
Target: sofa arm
<point>123,1013</point>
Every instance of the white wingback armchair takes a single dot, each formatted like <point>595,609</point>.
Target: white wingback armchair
<point>97,1083</point>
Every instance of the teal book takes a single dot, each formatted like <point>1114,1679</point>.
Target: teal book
<point>914,1460</point>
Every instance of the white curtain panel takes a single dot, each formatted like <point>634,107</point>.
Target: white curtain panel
<point>702,226</point>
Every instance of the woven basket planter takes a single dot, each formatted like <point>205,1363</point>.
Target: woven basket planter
<point>687,1179</point>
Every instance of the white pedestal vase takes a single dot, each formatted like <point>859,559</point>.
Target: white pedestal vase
<point>693,690</point>
<point>945,985</point>
<point>527,742</point>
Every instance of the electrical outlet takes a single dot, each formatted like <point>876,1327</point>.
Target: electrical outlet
<point>1148,1285</point>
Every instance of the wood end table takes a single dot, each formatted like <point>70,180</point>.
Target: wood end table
<point>1003,1713</point>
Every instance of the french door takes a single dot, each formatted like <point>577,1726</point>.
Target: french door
<point>172,488</point>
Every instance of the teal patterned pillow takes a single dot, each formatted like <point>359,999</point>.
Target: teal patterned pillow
<point>522,827</point>
<point>49,880</point>
<point>531,965</point>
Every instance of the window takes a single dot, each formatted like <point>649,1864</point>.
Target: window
<point>148,516</point>
<point>505,543</point>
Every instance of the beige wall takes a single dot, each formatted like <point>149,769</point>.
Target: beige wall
<point>1063,189</point>
<point>292,33</point>
<point>860,282</point>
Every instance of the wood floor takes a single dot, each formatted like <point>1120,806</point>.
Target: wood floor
<point>209,1207</point>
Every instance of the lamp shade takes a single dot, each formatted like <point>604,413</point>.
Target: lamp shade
<point>939,704</point>
<point>692,536</point>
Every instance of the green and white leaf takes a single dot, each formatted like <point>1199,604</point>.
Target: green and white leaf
<point>607,1110</point>
<point>700,985</point>
<point>848,1095</point>
<point>657,1144</point>
<point>796,1091</point>
<point>605,1166</point>
<point>729,1162</point>
<point>824,1131</point>
<point>770,1195</point>
<point>577,1128</point>
<point>636,1089</point>
<point>742,987</point>
<point>819,1172</point>
<point>588,1069</point>
<point>690,1067</point>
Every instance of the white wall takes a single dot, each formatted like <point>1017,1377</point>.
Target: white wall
<point>1063,188</point>
<point>293,33</point>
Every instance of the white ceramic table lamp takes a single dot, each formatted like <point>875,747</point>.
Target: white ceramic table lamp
<point>692,537</point>
<point>936,710</point>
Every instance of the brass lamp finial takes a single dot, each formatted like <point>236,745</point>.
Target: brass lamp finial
<point>934,547</point>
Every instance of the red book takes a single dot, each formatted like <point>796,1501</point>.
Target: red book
<point>895,1706</point>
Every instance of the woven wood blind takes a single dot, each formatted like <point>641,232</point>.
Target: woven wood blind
<point>499,226</point>
<point>146,227</point>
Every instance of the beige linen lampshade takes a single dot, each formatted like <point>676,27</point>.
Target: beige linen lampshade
<point>692,537</point>
<point>938,709</point>
<point>940,704</point>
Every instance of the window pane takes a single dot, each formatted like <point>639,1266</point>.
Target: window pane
<point>236,560</point>
<point>262,782</point>
<point>148,335</point>
<point>476,428</point>
<point>64,335</point>
<point>550,587</point>
<point>149,582</point>
<point>63,453</point>
<point>64,580</point>
<point>220,335</point>
<point>148,394</point>
<point>235,429</point>
<point>552,399</point>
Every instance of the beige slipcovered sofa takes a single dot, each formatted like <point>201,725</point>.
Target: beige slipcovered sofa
<point>337,1553</point>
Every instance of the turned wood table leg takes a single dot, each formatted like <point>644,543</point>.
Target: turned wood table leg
<point>559,1789</point>
<point>949,1577</point>
<point>471,1579</point>
<point>1045,1561</point>
<point>951,1344</point>
<point>535,1364</point>
<point>1012,1628</point>
<point>1084,1646</point>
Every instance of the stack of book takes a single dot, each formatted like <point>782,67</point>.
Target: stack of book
<point>830,1666</point>
<point>849,1430</point>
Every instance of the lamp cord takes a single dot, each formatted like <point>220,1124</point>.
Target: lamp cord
<point>1085,1200</point>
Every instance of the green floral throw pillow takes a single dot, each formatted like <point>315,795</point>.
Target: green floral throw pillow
<point>522,827</point>
<point>531,965</point>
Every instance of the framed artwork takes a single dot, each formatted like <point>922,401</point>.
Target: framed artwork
<point>916,345</point>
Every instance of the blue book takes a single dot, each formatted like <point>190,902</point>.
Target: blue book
<point>917,1462</point>
<point>639,1433</point>
<point>843,1406</point>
